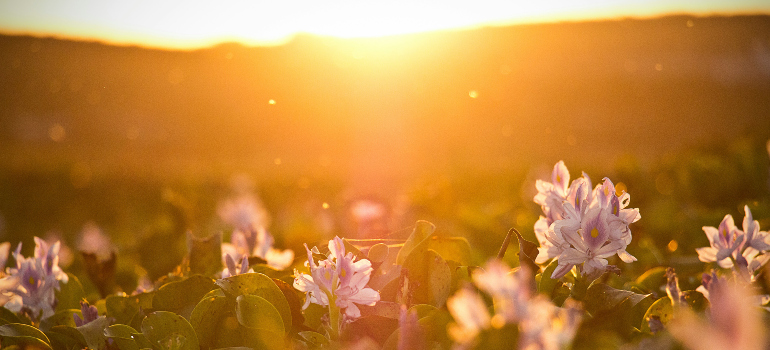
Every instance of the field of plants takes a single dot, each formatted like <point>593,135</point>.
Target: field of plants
<point>663,254</point>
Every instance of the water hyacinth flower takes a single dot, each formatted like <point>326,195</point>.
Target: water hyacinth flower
<point>89,312</point>
<point>734,321</point>
<point>34,281</point>
<point>232,269</point>
<point>541,324</point>
<point>256,242</point>
<point>339,282</point>
<point>729,246</point>
<point>470,314</point>
<point>582,226</point>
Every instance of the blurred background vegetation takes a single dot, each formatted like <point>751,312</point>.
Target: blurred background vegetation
<point>449,127</point>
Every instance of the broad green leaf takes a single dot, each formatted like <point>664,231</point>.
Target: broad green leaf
<point>205,253</point>
<point>124,308</point>
<point>422,230</point>
<point>180,295</point>
<point>350,248</point>
<point>527,253</point>
<point>295,305</point>
<point>207,318</point>
<point>255,312</point>
<point>378,253</point>
<point>66,337</point>
<point>60,318</point>
<point>696,300</point>
<point>8,315</point>
<point>423,310</point>
<point>260,285</point>
<point>313,340</point>
<point>429,278</point>
<point>450,248</point>
<point>601,297</point>
<point>169,331</point>
<point>69,294</point>
<point>126,337</point>
<point>652,279</point>
<point>93,332</point>
<point>662,309</point>
<point>375,327</point>
<point>387,309</point>
<point>547,285</point>
<point>23,335</point>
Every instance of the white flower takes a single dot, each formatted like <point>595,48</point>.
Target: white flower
<point>339,278</point>
<point>590,242</point>
<point>510,291</point>
<point>733,323</point>
<point>470,314</point>
<point>34,280</point>
<point>725,242</point>
<point>256,242</point>
<point>582,226</point>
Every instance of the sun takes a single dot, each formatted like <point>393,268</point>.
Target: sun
<point>194,24</point>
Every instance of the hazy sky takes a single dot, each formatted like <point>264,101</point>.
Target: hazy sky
<point>190,24</point>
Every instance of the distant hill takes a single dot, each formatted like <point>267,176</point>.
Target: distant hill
<point>396,105</point>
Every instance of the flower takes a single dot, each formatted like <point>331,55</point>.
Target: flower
<point>339,279</point>
<point>256,242</point>
<point>470,314</point>
<point>541,324</point>
<point>730,246</point>
<point>591,242</point>
<point>34,280</point>
<point>509,292</point>
<point>582,226</point>
<point>734,321</point>
<point>725,241</point>
<point>89,314</point>
<point>243,212</point>
<point>231,269</point>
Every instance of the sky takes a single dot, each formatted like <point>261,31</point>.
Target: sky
<point>193,24</point>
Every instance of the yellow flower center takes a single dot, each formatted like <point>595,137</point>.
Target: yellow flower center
<point>594,232</point>
<point>31,280</point>
<point>558,178</point>
<point>327,275</point>
<point>343,273</point>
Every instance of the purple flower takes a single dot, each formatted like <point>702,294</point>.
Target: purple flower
<point>89,314</point>
<point>36,281</point>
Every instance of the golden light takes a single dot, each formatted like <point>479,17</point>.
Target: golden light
<point>192,24</point>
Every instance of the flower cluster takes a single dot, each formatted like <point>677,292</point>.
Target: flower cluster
<point>582,226</point>
<point>339,281</point>
<point>31,285</point>
<point>250,238</point>
<point>541,324</point>
<point>744,251</point>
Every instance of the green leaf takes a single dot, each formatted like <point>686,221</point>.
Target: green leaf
<point>383,308</point>
<point>93,332</point>
<point>69,294</point>
<point>121,308</point>
<point>66,337</point>
<point>295,304</point>
<point>182,296</point>
<point>527,253</point>
<point>205,253</point>
<point>63,317</point>
<point>23,335</point>
<point>547,285</point>
<point>601,297</point>
<point>255,312</point>
<point>450,248</point>
<point>207,318</point>
<point>169,331</point>
<point>378,253</point>
<point>260,285</point>
<point>422,230</point>
<point>313,340</point>
<point>662,309</point>
<point>429,278</point>
<point>652,279</point>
